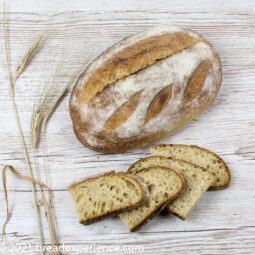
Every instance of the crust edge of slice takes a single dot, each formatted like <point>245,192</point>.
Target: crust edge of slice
<point>161,206</point>
<point>143,188</point>
<point>227,171</point>
<point>167,208</point>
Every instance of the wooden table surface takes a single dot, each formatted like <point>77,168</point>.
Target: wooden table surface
<point>223,222</point>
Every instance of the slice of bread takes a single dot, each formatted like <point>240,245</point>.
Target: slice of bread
<point>164,185</point>
<point>198,180</point>
<point>102,195</point>
<point>198,156</point>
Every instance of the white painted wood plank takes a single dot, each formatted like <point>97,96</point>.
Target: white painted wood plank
<point>222,242</point>
<point>184,6</point>
<point>223,222</point>
<point>215,210</point>
<point>206,226</point>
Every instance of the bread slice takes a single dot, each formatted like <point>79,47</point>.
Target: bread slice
<point>198,156</point>
<point>198,180</point>
<point>102,195</point>
<point>164,185</point>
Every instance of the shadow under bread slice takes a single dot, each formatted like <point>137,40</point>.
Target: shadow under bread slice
<point>164,184</point>
<point>106,194</point>
<point>199,156</point>
<point>198,180</point>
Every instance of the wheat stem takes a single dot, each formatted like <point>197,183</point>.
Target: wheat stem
<point>51,211</point>
<point>13,171</point>
<point>22,136</point>
<point>36,169</point>
<point>47,207</point>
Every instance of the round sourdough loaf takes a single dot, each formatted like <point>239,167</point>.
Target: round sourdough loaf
<point>144,88</point>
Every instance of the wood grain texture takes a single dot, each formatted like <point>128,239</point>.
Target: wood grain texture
<point>223,222</point>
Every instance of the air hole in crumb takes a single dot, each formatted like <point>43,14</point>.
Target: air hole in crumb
<point>103,206</point>
<point>130,184</point>
<point>150,187</point>
<point>112,187</point>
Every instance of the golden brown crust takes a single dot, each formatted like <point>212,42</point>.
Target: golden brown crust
<point>125,145</point>
<point>134,58</point>
<point>117,210</point>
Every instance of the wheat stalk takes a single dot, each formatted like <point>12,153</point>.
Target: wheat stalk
<point>39,114</point>
<point>39,120</point>
<point>44,122</point>
<point>26,59</point>
<point>21,134</point>
<point>50,211</point>
<point>12,169</point>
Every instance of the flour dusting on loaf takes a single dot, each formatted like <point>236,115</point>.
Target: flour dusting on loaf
<point>157,91</point>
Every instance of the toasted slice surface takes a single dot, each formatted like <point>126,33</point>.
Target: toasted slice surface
<point>102,195</point>
<point>198,180</point>
<point>198,156</point>
<point>164,184</point>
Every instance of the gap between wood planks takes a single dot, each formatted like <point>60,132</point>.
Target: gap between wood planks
<point>15,234</point>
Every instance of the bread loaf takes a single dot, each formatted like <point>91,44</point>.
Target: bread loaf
<point>164,185</point>
<point>102,195</point>
<point>198,180</point>
<point>144,88</point>
<point>199,156</point>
